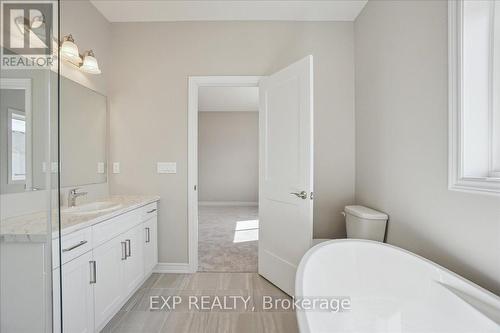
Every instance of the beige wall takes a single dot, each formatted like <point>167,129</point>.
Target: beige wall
<point>402,140</point>
<point>228,156</point>
<point>91,31</point>
<point>148,99</point>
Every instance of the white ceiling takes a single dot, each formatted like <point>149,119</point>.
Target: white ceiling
<point>229,10</point>
<point>228,99</point>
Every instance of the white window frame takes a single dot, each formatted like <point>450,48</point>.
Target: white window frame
<point>11,114</point>
<point>25,85</point>
<point>457,180</point>
<point>495,86</point>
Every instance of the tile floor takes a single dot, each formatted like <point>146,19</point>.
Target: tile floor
<point>136,315</point>
<point>227,239</point>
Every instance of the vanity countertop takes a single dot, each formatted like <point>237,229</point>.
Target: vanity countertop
<point>33,227</point>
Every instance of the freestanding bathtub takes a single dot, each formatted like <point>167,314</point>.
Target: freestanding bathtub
<point>390,290</point>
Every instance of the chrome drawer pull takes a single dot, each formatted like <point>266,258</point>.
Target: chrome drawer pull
<point>93,275</point>
<point>124,250</point>
<point>152,211</point>
<point>75,246</point>
<point>129,254</point>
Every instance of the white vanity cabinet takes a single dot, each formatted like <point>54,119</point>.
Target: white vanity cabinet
<point>108,288</point>
<point>121,253</point>
<point>150,240</point>
<point>78,295</point>
<point>133,268</point>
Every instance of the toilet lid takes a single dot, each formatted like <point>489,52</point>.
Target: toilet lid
<point>365,213</point>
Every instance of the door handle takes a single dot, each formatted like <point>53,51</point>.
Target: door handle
<point>124,250</point>
<point>128,247</point>
<point>302,195</point>
<point>93,275</point>
<point>148,236</point>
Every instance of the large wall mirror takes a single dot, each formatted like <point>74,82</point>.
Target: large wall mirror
<point>83,125</point>
<point>82,135</point>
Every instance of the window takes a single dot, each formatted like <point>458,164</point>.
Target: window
<point>474,51</point>
<point>17,146</point>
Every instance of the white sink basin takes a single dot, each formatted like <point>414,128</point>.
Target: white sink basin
<point>92,208</point>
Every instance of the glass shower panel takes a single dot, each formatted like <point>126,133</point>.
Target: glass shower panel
<point>29,167</point>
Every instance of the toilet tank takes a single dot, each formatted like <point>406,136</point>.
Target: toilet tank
<point>365,223</point>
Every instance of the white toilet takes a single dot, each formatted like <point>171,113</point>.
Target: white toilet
<point>362,223</point>
<point>365,223</point>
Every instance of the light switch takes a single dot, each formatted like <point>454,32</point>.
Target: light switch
<point>100,167</point>
<point>116,167</point>
<point>166,167</point>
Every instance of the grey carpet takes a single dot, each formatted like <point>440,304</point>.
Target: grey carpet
<point>227,239</point>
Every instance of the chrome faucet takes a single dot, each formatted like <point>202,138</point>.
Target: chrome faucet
<point>72,195</point>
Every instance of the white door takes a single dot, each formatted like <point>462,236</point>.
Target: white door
<point>78,295</point>
<point>108,289</point>
<point>286,172</point>
<point>134,265</point>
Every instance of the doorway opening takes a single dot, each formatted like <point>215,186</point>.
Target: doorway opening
<point>228,178</point>
<point>286,168</point>
<point>224,143</point>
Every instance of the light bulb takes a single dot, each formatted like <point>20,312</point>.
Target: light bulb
<point>90,64</point>
<point>69,51</point>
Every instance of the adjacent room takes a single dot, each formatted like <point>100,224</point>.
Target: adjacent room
<point>228,177</point>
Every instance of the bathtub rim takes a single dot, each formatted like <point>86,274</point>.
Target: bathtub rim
<point>302,319</point>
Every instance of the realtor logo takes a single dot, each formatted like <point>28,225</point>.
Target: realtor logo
<point>27,28</point>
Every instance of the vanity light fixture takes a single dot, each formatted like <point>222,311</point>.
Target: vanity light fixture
<point>69,51</point>
<point>90,64</point>
<point>86,62</point>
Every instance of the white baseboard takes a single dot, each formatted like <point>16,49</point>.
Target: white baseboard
<point>165,267</point>
<point>228,203</point>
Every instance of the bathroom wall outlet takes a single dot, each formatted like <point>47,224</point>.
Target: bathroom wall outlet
<point>166,167</point>
<point>100,167</point>
<point>116,167</point>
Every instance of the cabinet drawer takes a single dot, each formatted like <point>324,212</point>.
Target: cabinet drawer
<point>72,246</point>
<point>149,211</point>
<point>111,228</point>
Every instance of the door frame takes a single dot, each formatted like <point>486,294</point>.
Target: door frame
<point>195,82</point>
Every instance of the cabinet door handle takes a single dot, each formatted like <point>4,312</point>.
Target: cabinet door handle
<point>75,246</point>
<point>124,250</point>
<point>129,248</point>
<point>93,274</point>
<point>148,236</point>
<point>152,211</point>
